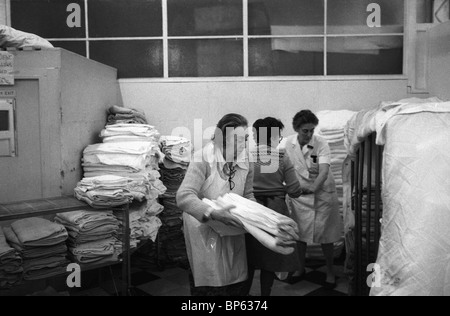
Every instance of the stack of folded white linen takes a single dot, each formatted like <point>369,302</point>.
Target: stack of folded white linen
<point>10,264</point>
<point>130,133</point>
<point>177,151</point>
<point>129,155</point>
<point>137,161</point>
<point>105,191</point>
<point>144,223</point>
<point>331,127</point>
<point>123,156</point>
<point>42,246</point>
<point>275,231</point>
<point>91,235</point>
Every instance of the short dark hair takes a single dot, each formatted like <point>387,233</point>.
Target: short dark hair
<point>304,117</point>
<point>229,121</point>
<point>268,123</point>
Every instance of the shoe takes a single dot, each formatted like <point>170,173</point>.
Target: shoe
<point>330,286</point>
<point>294,279</point>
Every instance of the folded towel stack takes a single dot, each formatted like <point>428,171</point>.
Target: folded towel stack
<point>42,246</point>
<point>10,264</point>
<point>121,115</point>
<point>91,235</point>
<point>144,223</point>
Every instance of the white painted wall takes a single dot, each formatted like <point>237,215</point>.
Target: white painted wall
<point>173,104</point>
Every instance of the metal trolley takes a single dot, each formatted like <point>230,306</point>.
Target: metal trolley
<point>367,203</point>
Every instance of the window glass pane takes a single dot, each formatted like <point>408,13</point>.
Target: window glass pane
<point>205,58</point>
<point>4,120</point>
<point>425,11</point>
<point>286,57</point>
<point>375,55</point>
<point>125,18</point>
<point>205,17</point>
<point>47,18</point>
<point>78,47</point>
<point>133,59</point>
<point>286,17</point>
<point>351,16</point>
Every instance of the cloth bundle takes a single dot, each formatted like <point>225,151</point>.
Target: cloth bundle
<point>134,162</point>
<point>143,221</point>
<point>91,235</point>
<point>172,178</point>
<point>104,191</point>
<point>10,37</point>
<point>273,230</point>
<point>171,236</point>
<point>130,133</point>
<point>134,155</point>
<point>121,115</point>
<point>41,244</point>
<point>177,151</point>
<point>10,264</point>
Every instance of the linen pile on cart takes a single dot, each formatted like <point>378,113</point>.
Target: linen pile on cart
<point>91,235</point>
<point>10,264</point>
<point>42,246</point>
<point>413,257</point>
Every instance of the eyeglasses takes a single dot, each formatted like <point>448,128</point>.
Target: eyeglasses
<point>231,174</point>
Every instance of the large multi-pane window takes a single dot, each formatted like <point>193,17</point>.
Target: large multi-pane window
<point>225,38</point>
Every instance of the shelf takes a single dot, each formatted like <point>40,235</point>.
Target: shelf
<point>41,207</point>
<point>52,206</point>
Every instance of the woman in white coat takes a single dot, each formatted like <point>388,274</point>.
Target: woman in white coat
<point>316,214</point>
<point>215,239</point>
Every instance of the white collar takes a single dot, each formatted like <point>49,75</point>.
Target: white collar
<point>215,155</point>
<point>310,146</point>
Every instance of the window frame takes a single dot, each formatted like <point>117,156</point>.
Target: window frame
<point>408,39</point>
<point>10,134</point>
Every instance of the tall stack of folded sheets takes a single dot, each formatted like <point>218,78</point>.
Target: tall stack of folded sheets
<point>124,170</point>
<point>177,153</point>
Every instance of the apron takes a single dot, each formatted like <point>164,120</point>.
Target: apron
<point>216,260</point>
<point>317,215</point>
